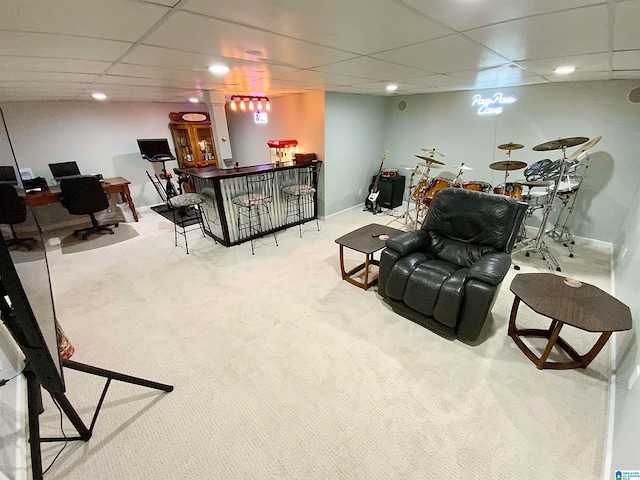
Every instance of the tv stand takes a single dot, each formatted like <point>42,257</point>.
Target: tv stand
<point>34,403</point>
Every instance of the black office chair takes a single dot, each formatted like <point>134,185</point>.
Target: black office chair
<point>12,212</point>
<point>83,195</point>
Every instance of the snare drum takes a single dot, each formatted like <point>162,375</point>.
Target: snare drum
<point>389,172</point>
<point>536,199</point>
<point>435,185</point>
<point>513,190</point>
<point>477,186</point>
<point>569,185</point>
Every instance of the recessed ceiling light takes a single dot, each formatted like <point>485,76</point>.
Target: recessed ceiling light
<point>194,100</point>
<point>565,69</point>
<point>99,96</point>
<point>219,69</point>
<point>392,87</point>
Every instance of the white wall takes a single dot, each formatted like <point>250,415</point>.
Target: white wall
<point>448,123</point>
<point>354,130</point>
<point>292,117</point>
<point>100,136</point>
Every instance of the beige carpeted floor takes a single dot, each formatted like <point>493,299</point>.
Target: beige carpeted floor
<point>284,371</point>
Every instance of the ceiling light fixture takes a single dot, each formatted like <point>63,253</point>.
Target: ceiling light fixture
<point>194,100</point>
<point>392,87</point>
<point>99,96</point>
<point>218,69</point>
<point>565,69</point>
<point>247,101</point>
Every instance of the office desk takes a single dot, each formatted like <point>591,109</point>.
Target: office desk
<point>111,185</point>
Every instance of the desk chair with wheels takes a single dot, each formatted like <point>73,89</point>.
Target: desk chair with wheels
<point>12,212</point>
<point>186,208</point>
<point>300,197</point>
<point>83,195</point>
<point>253,204</point>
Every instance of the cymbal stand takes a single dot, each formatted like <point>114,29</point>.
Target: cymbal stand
<point>420,207</point>
<point>538,245</point>
<point>460,172</point>
<point>562,234</point>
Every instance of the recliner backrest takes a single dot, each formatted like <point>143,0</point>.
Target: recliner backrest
<point>83,195</point>
<point>485,219</point>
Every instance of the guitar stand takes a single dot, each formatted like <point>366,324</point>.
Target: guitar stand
<point>34,403</point>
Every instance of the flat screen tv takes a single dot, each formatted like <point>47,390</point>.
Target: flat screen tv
<point>155,149</point>
<point>28,312</point>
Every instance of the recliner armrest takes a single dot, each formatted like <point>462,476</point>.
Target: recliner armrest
<point>491,268</point>
<point>407,242</point>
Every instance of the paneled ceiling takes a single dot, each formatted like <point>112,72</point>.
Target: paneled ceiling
<point>160,50</point>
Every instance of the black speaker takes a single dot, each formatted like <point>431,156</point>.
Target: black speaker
<point>391,191</point>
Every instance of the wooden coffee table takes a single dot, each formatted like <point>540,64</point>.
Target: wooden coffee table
<point>366,240</point>
<point>584,306</point>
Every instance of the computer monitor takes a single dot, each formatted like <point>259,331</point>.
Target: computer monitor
<point>8,175</point>
<point>64,169</point>
<point>155,149</point>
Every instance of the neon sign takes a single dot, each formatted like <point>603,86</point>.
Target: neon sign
<point>492,105</point>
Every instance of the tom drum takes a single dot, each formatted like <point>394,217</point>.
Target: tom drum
<point>435,184</point>
<point>513,190</point>
<point>536,199</point>
<point>477,186</point>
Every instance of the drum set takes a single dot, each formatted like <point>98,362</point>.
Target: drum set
<point>544,182</point>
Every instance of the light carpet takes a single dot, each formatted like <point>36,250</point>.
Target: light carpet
<point>282,370</point>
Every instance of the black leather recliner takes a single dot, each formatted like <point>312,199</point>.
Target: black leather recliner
<point>446,275</point>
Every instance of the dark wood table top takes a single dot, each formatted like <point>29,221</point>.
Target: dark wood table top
<point>585,307</point>
<point>363,239</point>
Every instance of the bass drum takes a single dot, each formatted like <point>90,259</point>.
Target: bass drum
<point>513,190</point>
<point>436,184</point>
<point>420,190</point>
<point>477,186</point>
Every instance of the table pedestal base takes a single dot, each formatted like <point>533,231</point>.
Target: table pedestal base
<point>553,335</point>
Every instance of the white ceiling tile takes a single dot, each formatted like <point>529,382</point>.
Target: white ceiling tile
<point>40,64</point>
<point>627,17</point>
<point>60,46</point>
<point>316,78</point>
<point>464,14</point>
<point>626,75</point>
<point>151,82</point>
<point>443,55</point>
<point>626,60</point>
<point>12,75</point>
<point>330,22</point>
<point>578,77</point>
<point>597,62</point>
<point>107,19</point>
<point>166,3</point>
<point>164,73</point>
<point>372,68</point>
<point>437,80</point>
<point>572,32</point>
<point>199,34</point>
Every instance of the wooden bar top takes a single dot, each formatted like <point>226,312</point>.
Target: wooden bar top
<point>219,173</point>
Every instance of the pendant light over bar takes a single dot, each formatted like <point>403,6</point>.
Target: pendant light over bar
<point>244,102</point>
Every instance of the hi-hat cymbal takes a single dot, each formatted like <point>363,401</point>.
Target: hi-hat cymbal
<point>507,165</point>
<point>510,146</point>
<point>533,183</point>
<point>432,151</point>
<point>461,167</point>
<point>560,143</point>
<point>430,159</point>
<point>412,169</point>
<point>583,148</point>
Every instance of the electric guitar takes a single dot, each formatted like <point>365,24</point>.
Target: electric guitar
<point>371,203</point>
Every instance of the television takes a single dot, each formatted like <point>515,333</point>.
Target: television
<point>28,312</point>
<point>155,149</point>
<point>64,169</point>
<point>8,175</point>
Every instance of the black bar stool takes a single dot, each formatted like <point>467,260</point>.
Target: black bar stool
<point>301,197</point>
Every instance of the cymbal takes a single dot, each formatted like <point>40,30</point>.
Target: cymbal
<point>461,167</point>
<point>560,143</point>
<point>510,146</point>
<point>533,183</point>
<point>432,151</point>
<point>430,159</point>
<point>583,148</point>
<point>507,165</point>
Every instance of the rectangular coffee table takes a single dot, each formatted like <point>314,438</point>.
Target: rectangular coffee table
<point>365,240</point>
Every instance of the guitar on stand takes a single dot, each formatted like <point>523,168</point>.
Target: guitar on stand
<point>371,202</point>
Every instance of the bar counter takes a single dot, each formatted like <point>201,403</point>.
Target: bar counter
<point>220,186</point>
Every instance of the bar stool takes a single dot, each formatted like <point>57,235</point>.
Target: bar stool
<point>301,197</point>
<point>253,205</point>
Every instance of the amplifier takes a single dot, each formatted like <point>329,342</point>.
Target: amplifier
<point>391,191</point>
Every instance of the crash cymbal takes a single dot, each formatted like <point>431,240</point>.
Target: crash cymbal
<point>583,148</point>
<point>430,159</point>
<point>533,183</point>
<point>510,146</point>
<point>560,143</point>
<point>461,167</point>
<point>507,165</point>
<point>432,151</point>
